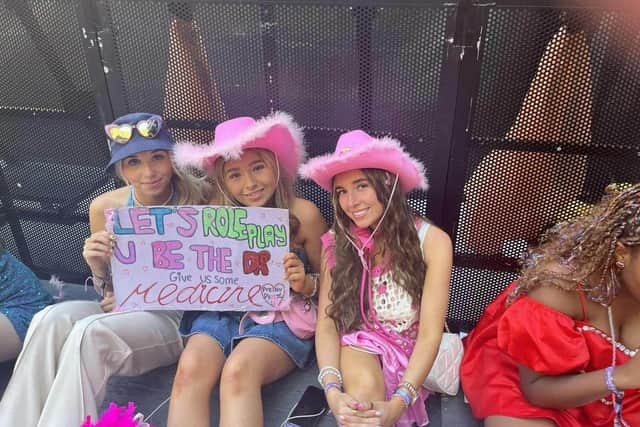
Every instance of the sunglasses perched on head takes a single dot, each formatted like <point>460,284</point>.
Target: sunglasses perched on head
<point>122,133</point>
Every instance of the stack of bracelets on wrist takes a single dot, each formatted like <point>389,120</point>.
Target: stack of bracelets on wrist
<point>618,394</point>
<point>330,370</point>
<point>331,384</point>
<point>407,392</point>
<point>404,395</point>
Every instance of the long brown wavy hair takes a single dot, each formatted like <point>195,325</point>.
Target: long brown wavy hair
<point>283,195</point>
<point>396,237</point>
<point>581,251</point>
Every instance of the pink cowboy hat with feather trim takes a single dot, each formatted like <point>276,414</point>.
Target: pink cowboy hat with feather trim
<point>359,150</point>
<point>277,133</point>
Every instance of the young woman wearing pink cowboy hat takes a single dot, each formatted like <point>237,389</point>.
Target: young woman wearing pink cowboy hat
<point>254,164</point>
<point>72,348</point>
<point>382,300</point>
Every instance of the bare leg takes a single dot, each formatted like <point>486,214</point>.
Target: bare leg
<point>198,372</point>
<point>500,421</point>
<point>10,343</point>
<point>362,375</point>
<point>253,363</point>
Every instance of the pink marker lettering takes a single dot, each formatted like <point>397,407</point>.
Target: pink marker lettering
<point>164,256</point>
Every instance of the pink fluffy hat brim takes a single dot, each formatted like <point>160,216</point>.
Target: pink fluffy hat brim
<point>383,153</point>
<point>277,133</point>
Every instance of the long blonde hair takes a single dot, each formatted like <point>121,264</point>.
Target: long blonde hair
<point>282,197</point>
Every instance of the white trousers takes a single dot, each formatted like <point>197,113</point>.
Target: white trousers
<point>70,351</point>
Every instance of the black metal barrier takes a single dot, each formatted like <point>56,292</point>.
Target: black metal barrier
<point>520,110</point>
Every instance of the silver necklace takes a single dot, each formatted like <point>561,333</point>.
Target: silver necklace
<point>137,203</point>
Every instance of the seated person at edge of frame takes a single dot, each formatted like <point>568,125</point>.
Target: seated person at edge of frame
<point>72,348</point>
<point>559,347</point>
<point>254,164</point>
<point>384,285</point>
<point>21,296</point>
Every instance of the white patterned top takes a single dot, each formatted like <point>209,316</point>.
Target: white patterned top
<point>393,305</point>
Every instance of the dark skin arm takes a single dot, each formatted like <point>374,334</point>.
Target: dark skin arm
<point>562,391</point>
<point>571,390</point>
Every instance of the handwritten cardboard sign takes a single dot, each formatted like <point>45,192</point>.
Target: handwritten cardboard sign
<point>199,258</point>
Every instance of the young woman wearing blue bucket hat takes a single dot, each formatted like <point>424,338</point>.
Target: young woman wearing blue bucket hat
<point>71,349</point>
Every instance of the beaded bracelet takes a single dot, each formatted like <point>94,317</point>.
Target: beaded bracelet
<point>608,379</point>
<point>411,389</point>
<point>618,394</point>
<point>404,395</point>
<point>327,370</point>
<point>332,384</point>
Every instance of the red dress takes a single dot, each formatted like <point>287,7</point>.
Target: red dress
<point>546,341</point>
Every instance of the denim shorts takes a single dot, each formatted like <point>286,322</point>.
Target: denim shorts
<point>223,327</point>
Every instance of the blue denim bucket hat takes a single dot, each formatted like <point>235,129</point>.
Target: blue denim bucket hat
<point>137,143</point>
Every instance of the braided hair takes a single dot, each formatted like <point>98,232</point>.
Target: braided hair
<point>583,248</point>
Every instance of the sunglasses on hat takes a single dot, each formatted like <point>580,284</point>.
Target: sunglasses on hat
<point>122,133</point>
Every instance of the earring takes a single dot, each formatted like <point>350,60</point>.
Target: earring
<point>620,264</point>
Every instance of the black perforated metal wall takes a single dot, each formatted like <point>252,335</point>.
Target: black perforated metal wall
<point>333,67</point>
<point>52,151</point>
<point>551,125</point>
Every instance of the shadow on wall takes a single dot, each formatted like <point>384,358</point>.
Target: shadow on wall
<point>512,195</point>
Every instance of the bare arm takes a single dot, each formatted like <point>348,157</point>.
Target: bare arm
<point>562,391</point>
<point>571,390</point>
<point>112,199</point>
<point>327,338</point>
<point>312,226</point>
<point>98,246</point>
<point>438,255</point>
